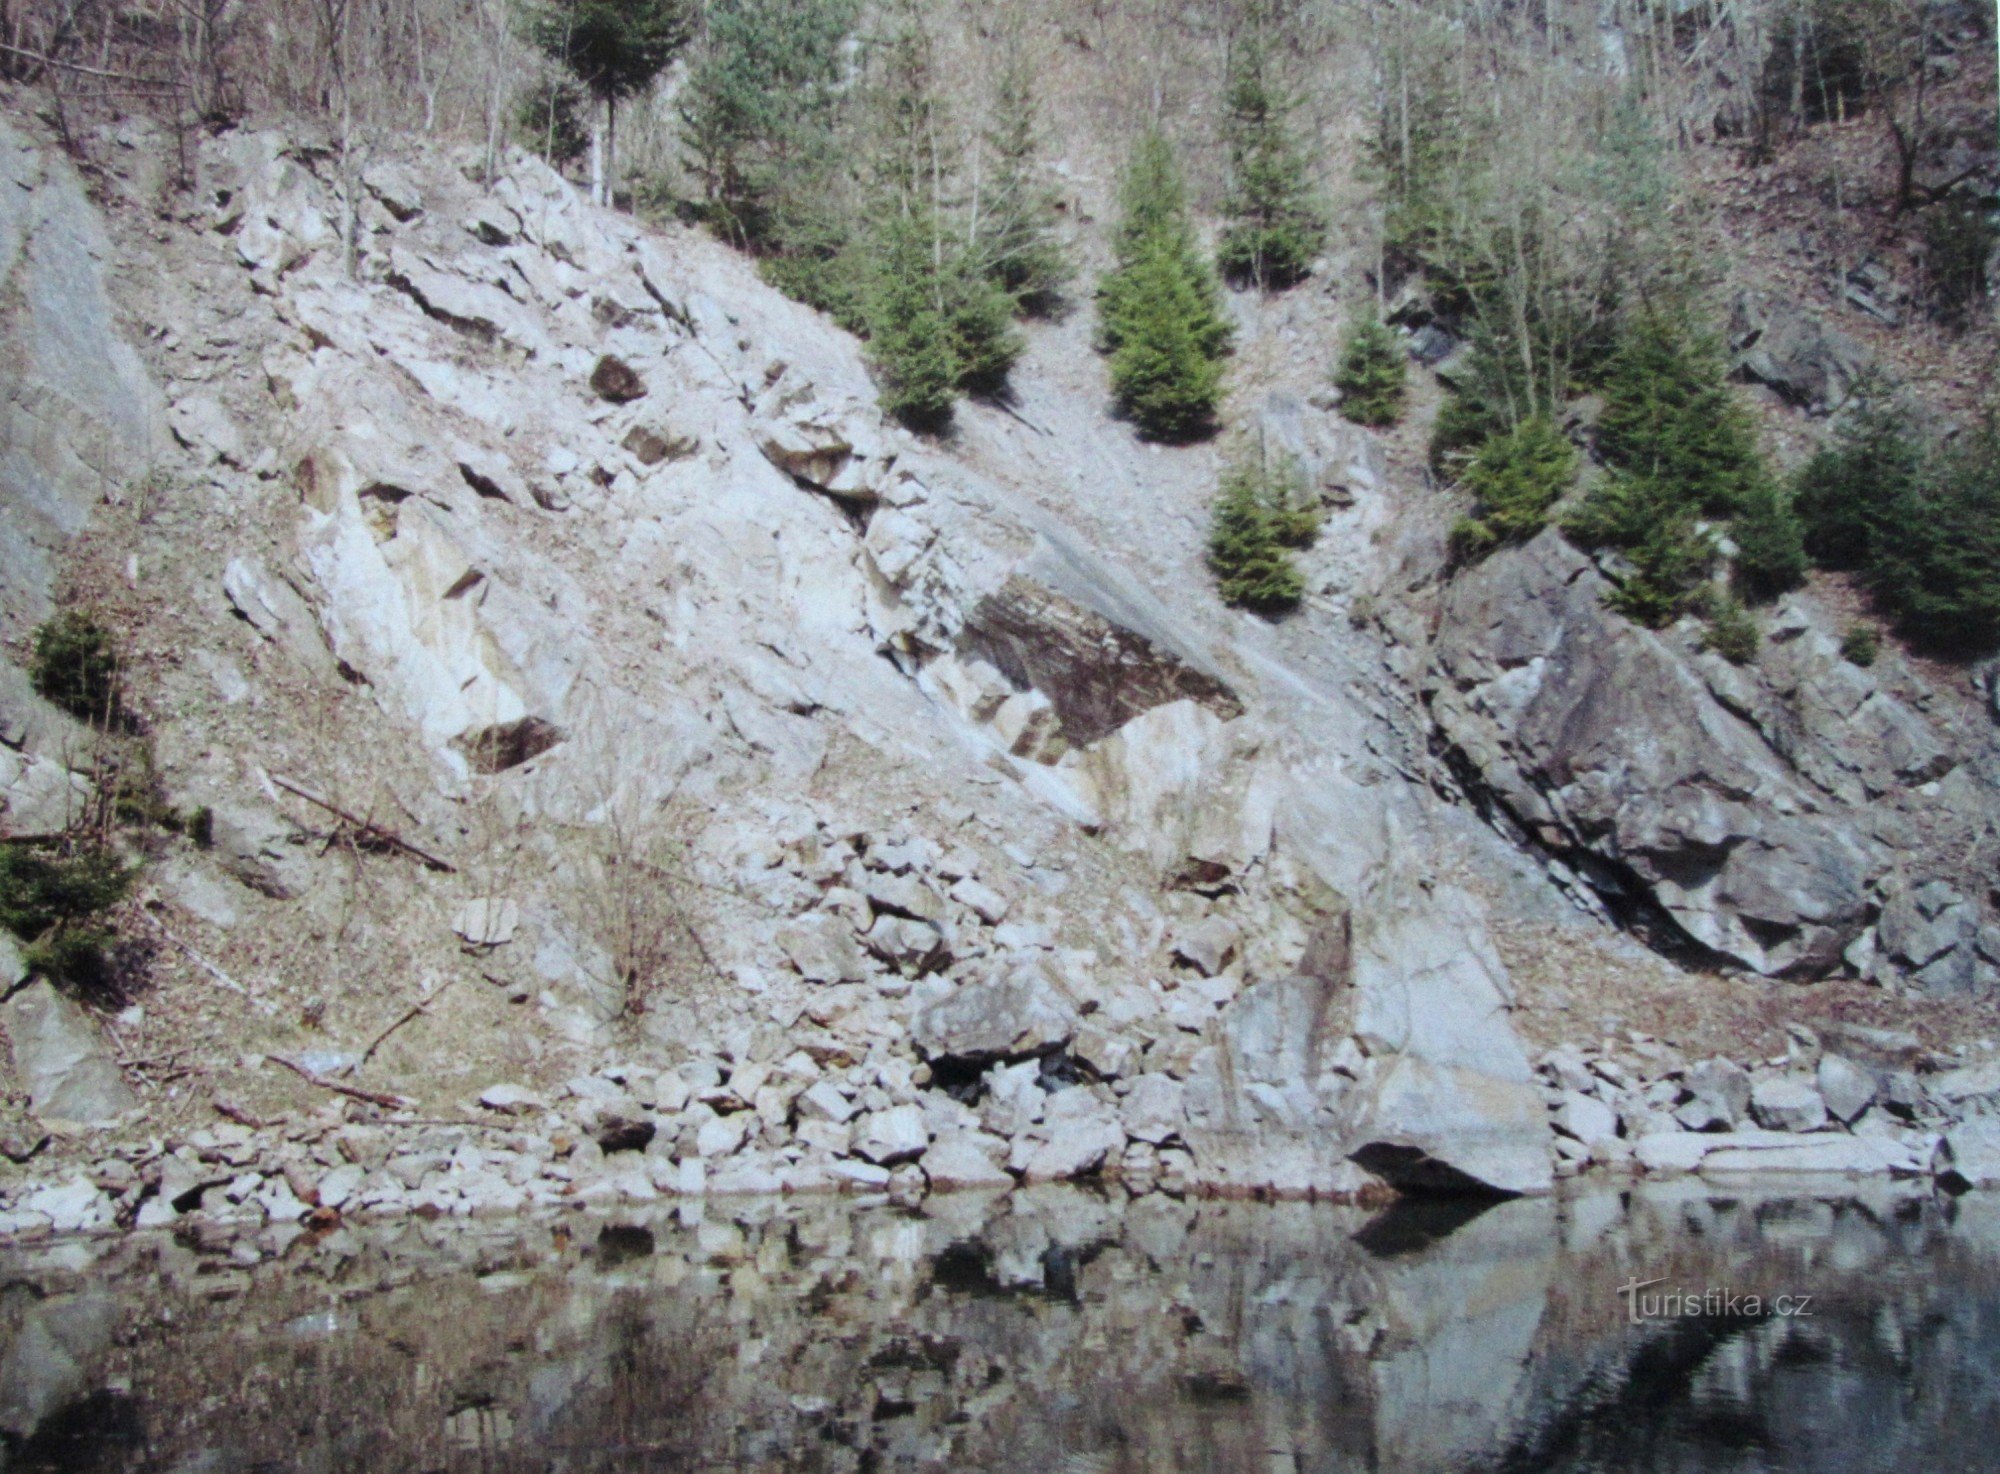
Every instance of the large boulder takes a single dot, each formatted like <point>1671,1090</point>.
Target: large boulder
<point>1010,1012</point>
<point>1599,738</point>
<point>1793,352</point>
<point>1455,1105</point>
<point>1404,1063</point>
<point>60,1056</point>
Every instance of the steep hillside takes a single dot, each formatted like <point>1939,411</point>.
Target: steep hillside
<point>572,745</point>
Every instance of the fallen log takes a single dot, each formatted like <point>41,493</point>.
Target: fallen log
<point>367,829</point>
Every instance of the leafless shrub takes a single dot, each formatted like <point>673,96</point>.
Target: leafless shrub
<point>630,886</point>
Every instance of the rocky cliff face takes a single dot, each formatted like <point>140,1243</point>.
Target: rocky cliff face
<point>589,528</point>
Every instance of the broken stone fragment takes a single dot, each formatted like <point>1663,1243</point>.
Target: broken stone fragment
<point>487,922</point>
<point>616,380</point>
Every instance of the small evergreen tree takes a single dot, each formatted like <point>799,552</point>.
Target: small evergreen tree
<point>1373,373</point>
<point>1940,573</point>
<point>1670,415</point>
<point>1515,478</point>
<point>758,112</point>
<point>1850,492</point>
<point>1273,228</point>
<point>1731,633</point>
<point>1015,221</point>
<point>614,48</point>
<point>76,666</point>
<point>1683,453</point>
<point>910,337</point>
<point>1770,545</point>
<point>1245,551</point>
<point>937,324</point>
<point>1159,316</point>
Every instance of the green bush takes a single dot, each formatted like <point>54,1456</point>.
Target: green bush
<point>1861,644</point>
<point>54,900</point>
<point>1373,373</point>
<point>1514,479</point>
<point>1247,544</point>
<point>1670,416</point>
<point>758,109</point>
<point>1272,229</point>
<point>1731,632</point>
<point>1294,513</point>
<point>76,666</point>
<point>1159,316</point>
<point>1017,246</point>
<point>909,337</point>
<point>1921,524</point>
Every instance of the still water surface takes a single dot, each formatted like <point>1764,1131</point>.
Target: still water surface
<point>1056,1331</point>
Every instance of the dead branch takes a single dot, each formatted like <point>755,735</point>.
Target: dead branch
<point>217,974</point>
<point>354,1092</point>
<point>367,829</point>
<point>422,1005</point>
<point>166,83</point>
<point>229,1110</point>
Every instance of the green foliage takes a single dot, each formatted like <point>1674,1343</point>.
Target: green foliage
<point>548,120</point>
<point>758,113</point>
<point>1159,315</point>
<point>1731,632</point>
<point>980,315</point>
<point>1372,374</point>
<point>1959,238</point>
<point>1940,574</point>
<point>613,47</point>
<point>1421,145</point>
<point>54,900</point>
<point>1016,244</point>
<point>1770,545</point>
<point>1273,228</point>
<point>1682,451</point>
<point>1850,493</point>
<point>1515,478</point>
<point>1247,540</point>
<point>909,335</point>
<point>1668,555</point>
<point>938,325</point>
<point>76,666</point>
<point>1670,415</point>
<point>1861,644</point>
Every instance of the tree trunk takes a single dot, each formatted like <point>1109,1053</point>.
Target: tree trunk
<point>597,158</point>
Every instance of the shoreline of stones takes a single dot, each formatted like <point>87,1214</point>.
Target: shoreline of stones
<point>1857,1103</point>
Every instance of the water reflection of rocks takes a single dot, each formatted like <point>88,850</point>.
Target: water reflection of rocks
<point>1046,1330</point>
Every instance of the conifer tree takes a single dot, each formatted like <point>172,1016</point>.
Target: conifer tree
<point>1372,373</point>
<point>1014,221</point>
<point>614,48</point>
<point>758,113</point>
<point>909,337</point>
<point>1245,552</point>
<point>1514,478</point>
<point>937,324</point>
<point>1274,229</point>
<point>1159,316</point>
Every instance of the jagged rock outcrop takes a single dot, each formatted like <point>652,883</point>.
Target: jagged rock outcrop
<point>1772,811</point>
